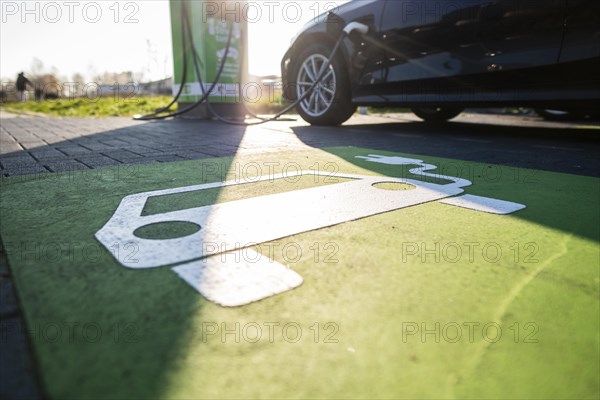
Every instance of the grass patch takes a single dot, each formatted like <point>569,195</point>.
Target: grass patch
<point>388,110</point>
<point>101,107</point>
<point>120,107</point>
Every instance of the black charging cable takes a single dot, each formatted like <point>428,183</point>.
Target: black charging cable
<point>187,28</point>
<point>186,32</point>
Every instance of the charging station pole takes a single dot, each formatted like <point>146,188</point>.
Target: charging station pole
<point>209,23</point>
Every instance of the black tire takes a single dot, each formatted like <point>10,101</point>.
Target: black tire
<point>340,108</point>
<point>436,114</point>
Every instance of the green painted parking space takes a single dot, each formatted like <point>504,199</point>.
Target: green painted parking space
<point>432,300</point>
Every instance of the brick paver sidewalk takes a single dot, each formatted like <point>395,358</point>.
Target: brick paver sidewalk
<point>32,144</point>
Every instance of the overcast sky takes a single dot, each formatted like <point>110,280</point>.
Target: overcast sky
<point>91,37</point>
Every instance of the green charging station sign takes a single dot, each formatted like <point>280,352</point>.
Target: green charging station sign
<point>210,36</point>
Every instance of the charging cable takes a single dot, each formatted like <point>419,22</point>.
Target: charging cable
<point>187,35</point>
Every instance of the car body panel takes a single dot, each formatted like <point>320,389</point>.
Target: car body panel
<point>580,55</point>
<point>470,53</point>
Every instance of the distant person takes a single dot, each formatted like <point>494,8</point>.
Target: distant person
<point>22,83</point>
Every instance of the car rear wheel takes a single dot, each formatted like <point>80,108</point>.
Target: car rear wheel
<point>436,114</point>
<point>330,103</point>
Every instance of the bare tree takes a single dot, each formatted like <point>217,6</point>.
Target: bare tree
<point>78,82</point>
<point>37,68</point>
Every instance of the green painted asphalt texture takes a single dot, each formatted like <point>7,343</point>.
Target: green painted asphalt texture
<point>383,312</point>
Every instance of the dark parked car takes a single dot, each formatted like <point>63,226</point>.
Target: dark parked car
<point>438,57</point>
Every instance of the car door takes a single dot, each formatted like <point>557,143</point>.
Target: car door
<point>520,41</point>
<point>580,55</point>
<point>431,46</point>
